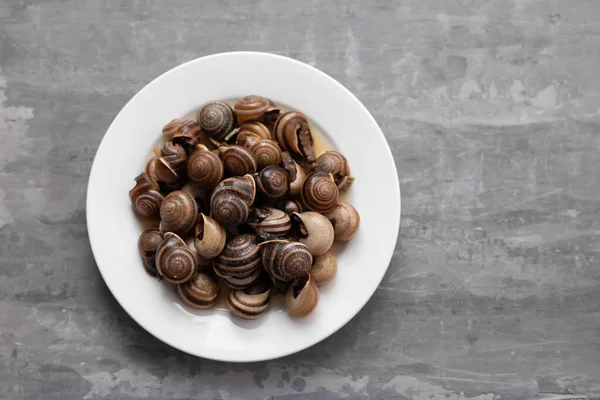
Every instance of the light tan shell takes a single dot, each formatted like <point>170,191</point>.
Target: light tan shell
<point>203,264</point>
<point>256,128</point>
<point>296,185</point>
<point>199,292</point>
<point>316,232</point>
<point>250,303</point>
<point>210,237</point>
<point>302,297</point>
<point>324,268</point>
<point>345,220</point>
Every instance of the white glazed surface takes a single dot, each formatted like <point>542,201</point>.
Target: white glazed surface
<point>114,229</point>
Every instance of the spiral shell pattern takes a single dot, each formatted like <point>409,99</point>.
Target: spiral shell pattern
<point>217,119</point>
<point>240,259</point>
<point>178,213</point>
<point>337,165</point>
<point>244,281</point>
<point>199,292</point>
<point>273,182</point>
<point>257,128</point>
<point>287,128</point>
<point>251,107</point>
<point>145,197</point>
<point>231,200</point>
<point>319,192</point>
<point>170,148</point>
<point>250,303</point>
<point>174,261</point>
<point>147,245</point>
<point>266,152</point>
<point>286,260</point>
<point>205,169</point>
<point>269,222</point>
<point>175,126</point>
<point>238,161</point>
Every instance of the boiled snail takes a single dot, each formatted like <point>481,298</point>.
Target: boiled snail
<point>174,261</point>
<point>249,206</point>
<point>302,297</point>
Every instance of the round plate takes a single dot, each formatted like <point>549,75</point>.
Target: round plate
<point>114,229</point>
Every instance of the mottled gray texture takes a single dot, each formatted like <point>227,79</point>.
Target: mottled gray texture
<point>492,111</point>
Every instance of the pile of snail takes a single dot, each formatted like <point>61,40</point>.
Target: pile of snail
<point>243,198</point>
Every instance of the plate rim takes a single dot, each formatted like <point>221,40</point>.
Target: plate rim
<point>396,190</point>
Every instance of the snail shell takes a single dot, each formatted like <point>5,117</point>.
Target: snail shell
<point>160,173</point>
<point>345,220</point>
<point>273,182</point>
<point>269,222</point>
<point>199,292</point>
<point>337,165</point>
<point>324,268</point>
<point>244,281</point>
<point>191,129</point>
<point>145,197</point>
<point>256,128</point>
<point>210,237</point>
<point>315,231</point>
<point>266,152</point>
<point>217,119</point>
<point>293,134</point>
<point>202,263</point>
<point>238,161</point>
<point>174,261</point>
<point>302,297</point>
<point>147,245</point>
<point>251,107</point>
<point>296,173</point>
<point>286,260</point>
<point>178,213</point>
<point>319,192</point>
<point>247,139</point>
<point>180,126</point>
<point>205,169</point>
<point>231,200</point>
<point>292,206</point>
<point>170,148</point>
<point>239,259</point>
<point>250,303</point>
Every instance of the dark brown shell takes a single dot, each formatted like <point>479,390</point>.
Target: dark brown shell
<point>145,196</point>
<point>231,200</point>
<point>201,291</point>
<point>238,161</point>
<point>217,119</point>
<point>336,164</point>
<point>174,261</point>
<point>178,213</point>
<point>240,258</point>
<point>293,134</point>
<point>273,182</point>
<point>266,152</point>
<point>180,126</point>
<point>286,260</point>
<point>319,192</point>
<point>205,169</point>
<point>147,245</point>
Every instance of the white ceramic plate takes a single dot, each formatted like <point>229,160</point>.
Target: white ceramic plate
<point>114,229</point>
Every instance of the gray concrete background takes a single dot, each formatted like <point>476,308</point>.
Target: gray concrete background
<point>492,111</point>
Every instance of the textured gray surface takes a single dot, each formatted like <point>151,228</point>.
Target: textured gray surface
<point>492,111</point>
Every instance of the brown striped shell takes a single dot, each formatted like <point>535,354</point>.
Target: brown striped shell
<point>254,128</point>
<point>217,119</point>
<point>273,182</point>
<point>180,126</point>
<point>252,302</point>
<point>269,222</point>
<point>205,169</point>
<point>178,213</point>
<point>231,200</point>
<point>302,297</point>
<point>238,161</point>
<point>253,107</point>
<point>293,134</point>
<point>201,291</point>
<point>147,244</point>
<point>337,165</point>
<point>145,196</point>
<point>319,192</point>
<point>174,261</point>
<point>286,260</point>
<point>240,258</point>
<point>292,206</point>
<point>266,152</point>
